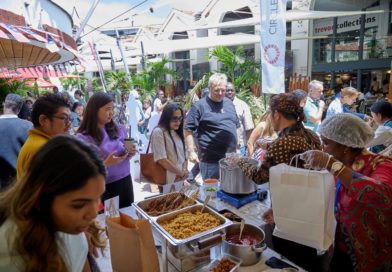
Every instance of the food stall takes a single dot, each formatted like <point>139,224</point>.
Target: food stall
<point>198,229</point>
<point>202,251</point>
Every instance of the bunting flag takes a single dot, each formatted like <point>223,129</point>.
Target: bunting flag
<point>45,32</point>
<point>15,33</point>
<point>3,35</point>
<point>73,51</point>
<point>51,44</point>
<point>32,34</point>
<point>273,45</point>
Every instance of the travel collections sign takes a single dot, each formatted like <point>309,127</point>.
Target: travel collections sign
<point>273,45</point>
<point>324,27</point>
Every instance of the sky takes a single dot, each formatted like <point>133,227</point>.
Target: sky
<point>108,9</point>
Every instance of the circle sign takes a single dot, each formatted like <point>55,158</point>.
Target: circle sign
<point>271,53</point>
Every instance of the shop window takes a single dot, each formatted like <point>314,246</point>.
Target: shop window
<point>322,50</point>
<point>347,46</point>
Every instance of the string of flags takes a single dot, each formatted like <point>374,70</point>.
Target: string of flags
<point>25,34</point>
<point>58,70</point>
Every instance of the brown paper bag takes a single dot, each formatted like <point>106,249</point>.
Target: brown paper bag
<point>132,245</point>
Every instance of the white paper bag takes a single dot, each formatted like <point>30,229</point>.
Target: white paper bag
<point>303,205</point>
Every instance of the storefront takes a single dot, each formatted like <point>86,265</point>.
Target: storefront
<point>354,50</point>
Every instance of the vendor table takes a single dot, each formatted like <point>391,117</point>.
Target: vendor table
<point>250,212</point>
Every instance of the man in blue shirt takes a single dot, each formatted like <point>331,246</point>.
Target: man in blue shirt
<point>348,96</point>
<point>213,120</point>
<point>314,105</point>
<point>13,131</point>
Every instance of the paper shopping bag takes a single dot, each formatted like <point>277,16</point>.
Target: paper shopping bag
<point>303,203</point>
<point>132,245</point>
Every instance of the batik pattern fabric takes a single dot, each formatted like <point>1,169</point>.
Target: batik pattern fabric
<point>364,214</point>
<point>291,141</point>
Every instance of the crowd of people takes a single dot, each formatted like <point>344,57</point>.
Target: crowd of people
<point>53,183</point>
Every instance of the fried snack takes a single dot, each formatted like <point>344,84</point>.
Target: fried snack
<point>167,203</point>
<point>189,224</point>
<point>225,265</point>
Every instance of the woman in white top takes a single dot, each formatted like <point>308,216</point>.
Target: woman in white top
<point>44,214</point>
<point>168,146</point>
<point>158,105</point>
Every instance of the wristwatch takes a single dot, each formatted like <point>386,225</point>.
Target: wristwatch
<point>336,167</point>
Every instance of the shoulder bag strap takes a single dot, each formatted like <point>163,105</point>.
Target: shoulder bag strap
<point>149,141</point>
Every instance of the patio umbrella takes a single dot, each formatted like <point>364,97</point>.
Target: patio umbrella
<point>41,83</point>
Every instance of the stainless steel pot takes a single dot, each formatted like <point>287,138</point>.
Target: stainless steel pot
<point>233,180</point>
<point>249,255</point>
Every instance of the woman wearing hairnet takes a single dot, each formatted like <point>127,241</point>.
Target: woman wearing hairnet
<point>363,201</point>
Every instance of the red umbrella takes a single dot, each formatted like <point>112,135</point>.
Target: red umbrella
<point>41,83</point>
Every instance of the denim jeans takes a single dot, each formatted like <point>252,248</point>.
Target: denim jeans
<point>209,170</point>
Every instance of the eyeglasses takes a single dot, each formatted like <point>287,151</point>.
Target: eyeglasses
<point>176,119</point>
<point>229,90</point>
<point>65,119</point>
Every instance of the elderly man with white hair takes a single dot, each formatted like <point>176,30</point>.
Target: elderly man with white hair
<point>314,105</point>
<point>214,121</point>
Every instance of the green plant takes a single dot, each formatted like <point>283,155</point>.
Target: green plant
<point>152,78</point>
<point>79,82</point>
<point>12,86</point>
<point>243,72</point>
<point>96,84</point>
<point>117,81</point>
<point>200,85</point>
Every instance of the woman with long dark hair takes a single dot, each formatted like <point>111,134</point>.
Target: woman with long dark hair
<point>99,129</point>
<point>167,142</point>
<point>44,214</point>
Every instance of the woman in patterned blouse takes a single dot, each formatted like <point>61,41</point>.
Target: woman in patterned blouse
<point>363,201</point>
<point>293,138</point>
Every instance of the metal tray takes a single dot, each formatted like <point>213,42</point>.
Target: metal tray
<point>141,206</point>
<point>215,263</point>
<point>177,242</point>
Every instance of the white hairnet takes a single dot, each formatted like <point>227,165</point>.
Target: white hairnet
<point>346,129</point>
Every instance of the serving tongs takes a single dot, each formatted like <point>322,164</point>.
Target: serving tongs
<point>205,202</point>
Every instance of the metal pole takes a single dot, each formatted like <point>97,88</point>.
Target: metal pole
<point>143,59</point>
<point>86,19</point>
<point>333,51</point>
<point>100,69</point>
<point>112,64</point>
<point>119,44</point>
<point>360,50</point>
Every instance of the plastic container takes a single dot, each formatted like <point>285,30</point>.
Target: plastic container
<point>210,187</point>
<point>232,259</point>
<point>211,191</point>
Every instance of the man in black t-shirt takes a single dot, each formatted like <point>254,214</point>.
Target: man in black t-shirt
<point>215,122</point>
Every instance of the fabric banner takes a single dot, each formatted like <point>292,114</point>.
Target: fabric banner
<point>32,34</point>
<point>3,35</point>
<point>51,44</point>
<point>15,33</point>
<point>45,32</point>
<point>273,45</point>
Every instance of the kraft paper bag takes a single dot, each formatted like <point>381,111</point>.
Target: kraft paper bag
<point>132,245</point>
<point>303,205</point>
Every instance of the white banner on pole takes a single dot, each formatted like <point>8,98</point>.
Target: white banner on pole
<point>273,45</point>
